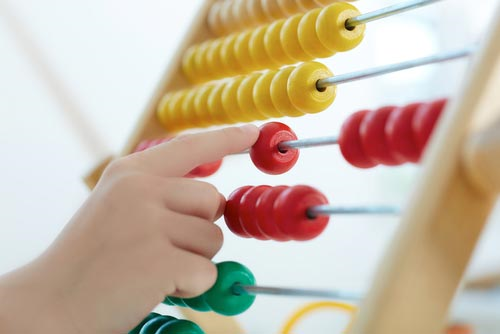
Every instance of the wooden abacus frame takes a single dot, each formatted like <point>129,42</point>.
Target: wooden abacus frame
<point>440,227</point>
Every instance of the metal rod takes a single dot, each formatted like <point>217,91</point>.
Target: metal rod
<point>239,289</point>
<point>385,12</point>
<point>308,142</point>
<point>376,71</point>
<point>321,210</point>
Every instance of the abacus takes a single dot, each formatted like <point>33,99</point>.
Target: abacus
<point>254,60</point>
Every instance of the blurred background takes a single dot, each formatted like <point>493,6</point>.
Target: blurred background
<point>75,76</point>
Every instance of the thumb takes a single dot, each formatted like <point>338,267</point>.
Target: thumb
<point>180,155</point>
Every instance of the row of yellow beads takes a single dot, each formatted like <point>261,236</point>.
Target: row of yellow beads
<point>319,33</point>
<point>230,16</point>
<point>290,91</point>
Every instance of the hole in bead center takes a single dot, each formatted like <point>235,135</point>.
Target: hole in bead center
<point>319,88</point>
<point>310,215</point>
<point>348,26</point>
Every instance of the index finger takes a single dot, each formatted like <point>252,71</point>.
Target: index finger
<point>180,155</point>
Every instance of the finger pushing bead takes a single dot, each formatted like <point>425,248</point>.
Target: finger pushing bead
<point>265,153</point>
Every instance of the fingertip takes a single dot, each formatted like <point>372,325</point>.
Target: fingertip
<point>251,131</point>
<point>222,207</point>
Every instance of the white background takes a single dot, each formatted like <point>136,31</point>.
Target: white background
<point>74,77</point>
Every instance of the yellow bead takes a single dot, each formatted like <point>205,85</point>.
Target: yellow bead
<point>302,88</point>
<point>216,108</point>
<point>331,30</point>
<point>225,17</point>
<point>188,64</point>
<point>279,93</point>
<point>245,97</point>
<point>308,37</point>
<point>161,110</point>
<point>290,39</point>
<point>262,95</point>
<point>214,62</point>
<point>273,45</point>
<point>307,4</point>
<point>187,109</point>
<point>228,55</point>
<point>173,120</point>
<point>201,105</point>
<point>200,63</point>
<point>289,7</point>
<point>239,13</point>
<point>242,51</point>
<point>258,49</point>
<point>272,9</point>
<point>256,12</point>
<point>213,19</point>
<point>230,100</point>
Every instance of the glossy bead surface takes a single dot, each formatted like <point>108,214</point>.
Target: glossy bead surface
<point>373,137</point>
<point>197,303</point>
<point>272,43</point>
<point>289,38</point>
<point>188,64</point>
<point>425,121</point>
<point>279,93</point>
<point>308,36</point>
<point>214,62</point>
<point>247,212</point>
<point>264,209</point>
<point>258,51</point>
<point>137,328</point>
<point>200,105</point>
<point>331,30</point>
<point>177,301</point>
<point>205,170</point>
<point>180,327</point>
<point>350,142</point>
<point>187,115</point>
<point>154,324</point>
<point>242,51</point>
<point>232,212</point>
<point>215,107</point>
<point>221,298</point>
<point>265,153</point>
<point>230,100</point>
<point>302,89</point>
<point>290,213</point>
<point>228,55</point>
<point>262,95</point>
<point>399,133</point>
<point>289,7</point>
<point>246,102</point>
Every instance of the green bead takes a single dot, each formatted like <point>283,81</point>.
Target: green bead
<point>221,298</point>
<point>167,301</point>
<point>180,327</point>
<point>198,304</point>
<point>177,301</point>
<point>154,324</point>
<point>137,328</point>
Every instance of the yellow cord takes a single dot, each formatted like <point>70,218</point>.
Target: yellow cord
<point>299,314</point>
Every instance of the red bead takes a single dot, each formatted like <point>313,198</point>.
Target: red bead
<point>265,218</point>
<point>373,137</point>
<point>248,214</point>
<point>290,213</point>
<point>205,169</point>
<point>265,153</point>
<point>425,120</point>
<point>232,211</point>
<point>399,133</point>
<point>350,142</point>
<point>142,146</point>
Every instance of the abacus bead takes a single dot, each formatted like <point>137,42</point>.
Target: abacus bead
<point>221,298</point>
<point>331,30</point>
<point>174,107</point>
<point>225,16</point>
<point>399,133</point>
<point>230,100</point>
<point>232,212</point>
<point>290,213</point>
<point>180,327</point>
<point>201,105</point>
<point>188,64</point>
<point>302,89</point>
<point>202,69</point>
<point>214,21</point>
<point>350,142</point>
<point>197,303</point>
<point>214,62</point>
<point>187,108</point>
<point>256,12</point>
<point>425,121</point>
<point>177,301</point>
<point>374,139</point>
<point>265,210</point>
<point>307,5</point>
<point>262,95</point>
<point>289,7</point>
<point>228,55</point>
<point>279,93</point>
<point>162,110</point>
<point>290,39</point>
<point>246,102</point>
<point>272,43</point>
<point>242,51</point>
<point>257,49</point>
<point>137,328</point>
<point>167,301</point>
<point>215,107</point>
<point>205,170</point>
<point>248,216</point>
<point>272,9</point>
<point>308,36</point>
<point>265,153</point>
<point>154,324</point>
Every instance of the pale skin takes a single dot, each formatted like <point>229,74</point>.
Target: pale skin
<point>145,232</point>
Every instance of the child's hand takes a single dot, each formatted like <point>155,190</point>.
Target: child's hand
<point>144,233</point>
